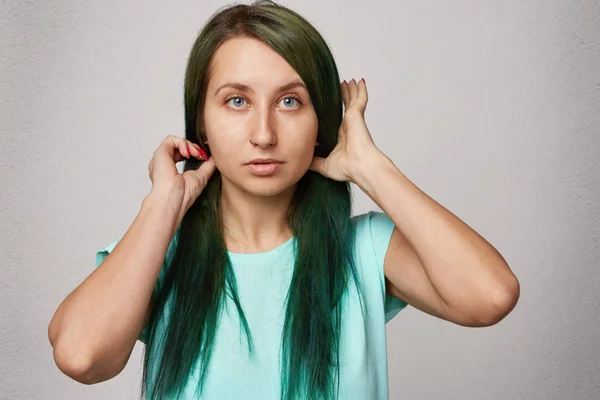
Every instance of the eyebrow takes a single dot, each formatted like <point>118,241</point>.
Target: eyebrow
<point>244,88</point>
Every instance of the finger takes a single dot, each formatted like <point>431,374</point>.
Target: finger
<point>188,148</point>
<point>364,92</point>
<point>169,151</point>
<point>201,175</point>
<point>345,95</point>
<point>195,150</point>
<point>352,89</point>
<point>207,168</point>
<point>182,147</point>
<point>172,145</point>
<point>172,142</point>
<point>201,153</point>
<point>363,96</point>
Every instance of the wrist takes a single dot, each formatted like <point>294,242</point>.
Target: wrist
<point>369,168</point>
<point>164,196</point>
<point>163,209</point>
<point>167,203</point>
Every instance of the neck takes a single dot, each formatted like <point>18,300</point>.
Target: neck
<point>254,223</point>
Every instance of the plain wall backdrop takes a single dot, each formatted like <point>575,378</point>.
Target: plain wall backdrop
<point>491,108</point>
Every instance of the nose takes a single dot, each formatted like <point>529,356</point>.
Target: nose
<point>264,132</point>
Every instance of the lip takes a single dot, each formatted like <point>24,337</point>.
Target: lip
<point>263,161</point>
<point>263,169</point>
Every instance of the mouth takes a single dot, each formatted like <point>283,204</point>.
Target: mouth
<point>264,161</point>
<point>263,168</point>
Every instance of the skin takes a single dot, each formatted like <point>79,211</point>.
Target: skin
<point>282,127</point>
<point>434,261</point>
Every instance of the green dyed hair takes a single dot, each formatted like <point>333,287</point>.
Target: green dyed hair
<point>199,276</point>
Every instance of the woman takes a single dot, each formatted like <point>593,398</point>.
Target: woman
<point>246,276</point>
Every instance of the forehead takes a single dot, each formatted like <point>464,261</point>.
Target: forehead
<point>251,62</point>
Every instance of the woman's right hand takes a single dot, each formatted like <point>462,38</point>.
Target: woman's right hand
<point>184,188</point>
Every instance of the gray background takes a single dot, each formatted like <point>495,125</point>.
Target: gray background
<point>491,108</point>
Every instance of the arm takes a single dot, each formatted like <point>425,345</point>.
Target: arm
<point>436,262</point>
<point>95,328</point>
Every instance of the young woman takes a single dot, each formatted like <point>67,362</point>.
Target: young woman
<point>246,276</point>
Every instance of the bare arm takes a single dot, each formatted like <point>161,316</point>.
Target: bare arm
<point>95,328</point>
<point>435,261</point>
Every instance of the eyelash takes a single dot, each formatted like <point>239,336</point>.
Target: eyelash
<point>234,96</point>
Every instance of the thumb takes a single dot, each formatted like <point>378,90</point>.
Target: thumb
<point>318,165</point>
<point>201,175</point>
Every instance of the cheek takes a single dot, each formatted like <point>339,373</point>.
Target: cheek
<point>224,132</point>
<point>304,147</point>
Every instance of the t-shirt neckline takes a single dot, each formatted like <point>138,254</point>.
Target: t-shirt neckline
<point>262,254</point>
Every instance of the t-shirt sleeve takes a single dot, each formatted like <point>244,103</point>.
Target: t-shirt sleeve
<point>104,252</point>
<point>381,228</point>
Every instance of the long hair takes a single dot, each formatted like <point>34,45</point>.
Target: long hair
<point>199,276</point>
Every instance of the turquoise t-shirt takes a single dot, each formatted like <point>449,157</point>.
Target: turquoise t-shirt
<point>263,280</point>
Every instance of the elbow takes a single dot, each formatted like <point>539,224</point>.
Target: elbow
<point>86,367</point>
<point>72,362</point>
<point>490,310</point>
<point>501,304</point>
<point>76,365</point>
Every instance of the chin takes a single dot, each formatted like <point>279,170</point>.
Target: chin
<point>266,188</point>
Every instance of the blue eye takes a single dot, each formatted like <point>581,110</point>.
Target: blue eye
<point>290,98</point>
<point>238,101</point>
<point>237,98</point>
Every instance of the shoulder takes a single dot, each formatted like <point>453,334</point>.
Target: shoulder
<point>374,228</point>
<point>373,232</point>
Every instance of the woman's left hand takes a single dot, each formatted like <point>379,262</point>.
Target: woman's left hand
<point>354,138</point>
